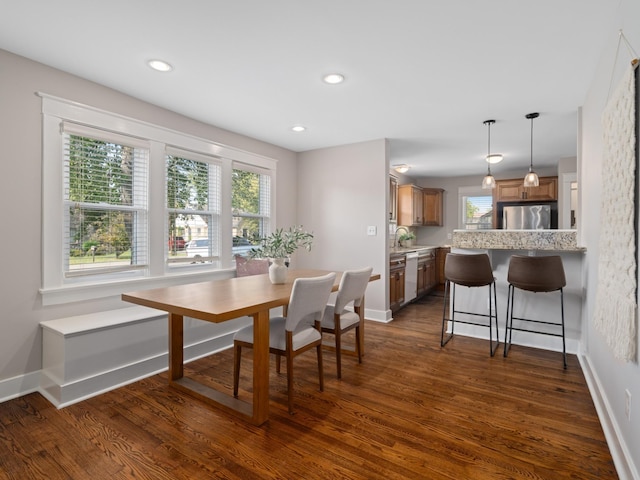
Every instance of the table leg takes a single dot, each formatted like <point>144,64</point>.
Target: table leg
<point>176,346</point>
<point>261,366</point>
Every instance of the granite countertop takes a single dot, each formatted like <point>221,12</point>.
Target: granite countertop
<point>556,240</point>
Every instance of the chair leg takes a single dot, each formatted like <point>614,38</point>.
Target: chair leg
<point>493,313</point>
<point>358,346</point>
<point>508,326</point>
<point>236,368</point>
<point>320,369</point>
<point>289,356</point>
<point>564,348</point>
<point>338,336</point>
<point>449,290</point>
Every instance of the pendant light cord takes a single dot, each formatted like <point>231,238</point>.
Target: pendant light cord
<point>531,161</point>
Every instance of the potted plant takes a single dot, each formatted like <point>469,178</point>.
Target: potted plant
<point>279,246</point>
<point>406,239</point>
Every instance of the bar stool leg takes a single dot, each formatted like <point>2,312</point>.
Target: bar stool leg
<point>564,348</point>
<point>493,313</point>
<point>508,328</point>
<point>449,290</point>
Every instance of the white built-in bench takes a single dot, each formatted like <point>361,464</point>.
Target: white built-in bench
<point>85,355</point>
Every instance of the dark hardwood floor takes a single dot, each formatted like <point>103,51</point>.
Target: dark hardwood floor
<point>411,411</point>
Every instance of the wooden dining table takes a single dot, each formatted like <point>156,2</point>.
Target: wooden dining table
<point>219,301</point>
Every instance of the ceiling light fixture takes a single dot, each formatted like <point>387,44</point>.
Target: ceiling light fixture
<point>160,65</point>
<point>531,178</point>
<point>488,181</point>
<point>333,78</point>
<point>402,168</point>
<point>298,128</point>
<point>494,158</point>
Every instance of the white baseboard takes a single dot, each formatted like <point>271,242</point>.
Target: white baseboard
<point>619,450</point>
<point>18,386</point>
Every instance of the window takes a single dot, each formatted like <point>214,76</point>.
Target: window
<point>476,209</point>
<point>251,206</point>
<point>105,202</point>
<point>193,208</point>
<point>130,205</point>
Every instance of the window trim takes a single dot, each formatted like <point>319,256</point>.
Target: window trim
<point>55,110</point>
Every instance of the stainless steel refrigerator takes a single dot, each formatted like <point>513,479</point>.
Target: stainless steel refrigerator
<point>526,217</point>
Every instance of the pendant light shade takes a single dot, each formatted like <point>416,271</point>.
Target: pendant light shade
<point>531,178</point>
<point>488,181</point>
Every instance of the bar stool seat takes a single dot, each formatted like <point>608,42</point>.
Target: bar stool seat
<point>469,270</point>
<point>538,275</point>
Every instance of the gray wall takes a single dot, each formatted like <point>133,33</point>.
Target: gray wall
<point>20,127</point>
<point>613,377</point>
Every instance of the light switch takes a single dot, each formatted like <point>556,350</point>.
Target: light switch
<point>372,230</point>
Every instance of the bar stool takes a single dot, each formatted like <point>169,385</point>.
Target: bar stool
<point>469,270</point>
<point>535,274</point>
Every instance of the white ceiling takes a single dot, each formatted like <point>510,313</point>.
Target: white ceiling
<point>423,73</point>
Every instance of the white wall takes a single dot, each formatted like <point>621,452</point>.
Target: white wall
<point>340,194</point>
<point>20,242</point>
<point>613,377</point>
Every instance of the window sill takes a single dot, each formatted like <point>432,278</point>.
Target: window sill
<point>79,293</point>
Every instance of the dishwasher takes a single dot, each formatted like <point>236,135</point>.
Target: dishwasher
<point>411,277</point>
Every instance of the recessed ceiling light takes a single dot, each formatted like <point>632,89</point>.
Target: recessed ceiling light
<point>333,78</point>
<point>494,158</point>
<point>298,128</point>
<point>160,65</point>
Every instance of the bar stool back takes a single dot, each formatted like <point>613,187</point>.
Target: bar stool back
<point>469,270</point>
<point>535,274</point>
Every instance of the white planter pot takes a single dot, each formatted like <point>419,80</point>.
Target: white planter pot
<point>278,271</point>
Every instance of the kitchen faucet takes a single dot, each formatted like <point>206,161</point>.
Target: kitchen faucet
<point>395,235</point>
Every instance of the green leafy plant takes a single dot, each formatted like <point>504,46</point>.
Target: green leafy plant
<point>406,236</point>
<point>282,243</point>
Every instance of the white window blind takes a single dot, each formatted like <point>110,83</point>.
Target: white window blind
<point>193,208</point>
<point>477,212</point>
<point>105,179</point>
<point>251,206</point>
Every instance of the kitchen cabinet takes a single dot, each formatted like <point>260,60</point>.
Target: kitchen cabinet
<point>441,255</point>
<point>396,281</point>
<point>432,206</point>
<point>426,273</point>
<point>393,199</point>
<point>410,206</point>
<point>513,190</point>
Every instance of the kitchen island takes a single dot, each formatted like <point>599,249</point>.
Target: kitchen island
<point>500,245</point>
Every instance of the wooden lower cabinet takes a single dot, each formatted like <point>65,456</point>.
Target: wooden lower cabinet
<point>441,255</point>
<point>397,266</point>
<point>426,273</point>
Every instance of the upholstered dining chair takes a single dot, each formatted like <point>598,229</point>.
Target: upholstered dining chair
<point>294,334</point>
<point>338,319</point>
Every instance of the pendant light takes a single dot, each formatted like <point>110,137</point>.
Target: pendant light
<point>488,181</point>
<point>531,178</point>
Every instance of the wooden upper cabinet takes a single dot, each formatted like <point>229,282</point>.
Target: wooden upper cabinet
<point>515,191</point>
<point>433,206</point>
<point>410,205</point>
